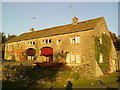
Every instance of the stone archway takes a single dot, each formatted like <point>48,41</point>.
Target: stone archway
<point>47,53</point>
<point>30,53</point>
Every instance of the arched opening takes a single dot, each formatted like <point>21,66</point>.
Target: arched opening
<point>30,54</point>
<point>47,53</point>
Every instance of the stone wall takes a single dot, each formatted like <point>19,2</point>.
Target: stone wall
<point>84,50</point>
<point>102,28</point>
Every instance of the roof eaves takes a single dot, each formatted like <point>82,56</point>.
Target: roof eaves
<point>51,35</point>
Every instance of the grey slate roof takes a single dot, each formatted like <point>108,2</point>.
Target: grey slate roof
<point>81,26</point>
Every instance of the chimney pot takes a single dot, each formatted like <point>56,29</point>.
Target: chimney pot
<point>32,30</point>
<point>75,20</point>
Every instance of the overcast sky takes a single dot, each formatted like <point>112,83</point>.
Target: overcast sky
<point>17,17</point>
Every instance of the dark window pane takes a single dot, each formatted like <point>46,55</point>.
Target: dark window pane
<point>49,40</point>
<point>46,41</point>
<point>33,43</point>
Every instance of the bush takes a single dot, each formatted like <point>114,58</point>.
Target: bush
<point>52,65</point>
<point>30,76</point>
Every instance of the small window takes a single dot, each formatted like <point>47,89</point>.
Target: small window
<point>75,39</point>
<point>58,42</point>
<point>43,42</point>
<point>100,40</point>
<point>46,41</point>
<point>49,40</point>
<point>18,45</point>
<point>101,58</point>
<point>33,43</point>
<point>73,58</point>
<point>10,47</point>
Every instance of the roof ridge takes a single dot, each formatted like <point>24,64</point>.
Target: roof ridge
<point>63,25</point>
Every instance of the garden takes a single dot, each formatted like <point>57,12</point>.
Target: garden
<point>50,74</point>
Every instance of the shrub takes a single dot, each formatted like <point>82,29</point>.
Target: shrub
<point>52,65</point>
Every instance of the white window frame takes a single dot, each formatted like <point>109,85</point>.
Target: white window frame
<point>100,40</point>
<point>75,40</point>
<point>73,58</point>
<point>58,42</point>
<point>101,58</point>
<point>46,41</point>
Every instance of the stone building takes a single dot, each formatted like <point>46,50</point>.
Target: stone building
<point>73,43</point>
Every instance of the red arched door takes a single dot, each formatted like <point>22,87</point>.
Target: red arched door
<point>30,54</point>
<point>47,52</point>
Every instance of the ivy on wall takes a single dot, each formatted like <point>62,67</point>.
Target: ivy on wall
<point>103,48</point>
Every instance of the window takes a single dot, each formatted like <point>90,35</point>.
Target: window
<point>10,47</point>
<point>43,42</point>
<point>49,40</point>
<point>75,39</point>
<point>6,47</point>
<point>17,45</point>
<point>31,43</point>
<point>74,58</point>
<point>46,41</point>
<point>58,42</point>
<point>100,40</point>
<point>101,58</point>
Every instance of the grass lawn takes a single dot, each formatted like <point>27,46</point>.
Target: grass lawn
<point>108,80</point>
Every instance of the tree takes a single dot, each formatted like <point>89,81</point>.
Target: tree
<point>11,36</point>
<point>3,38</point>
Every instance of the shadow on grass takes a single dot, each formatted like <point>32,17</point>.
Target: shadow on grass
<point>31,76</point>
<point>118,79</point>
<point>112,89</point>
<point>108,87</point>
<point>17,84</point>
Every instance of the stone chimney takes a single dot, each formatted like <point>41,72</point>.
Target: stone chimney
<point>31,30</point>
<point>75,20</point>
